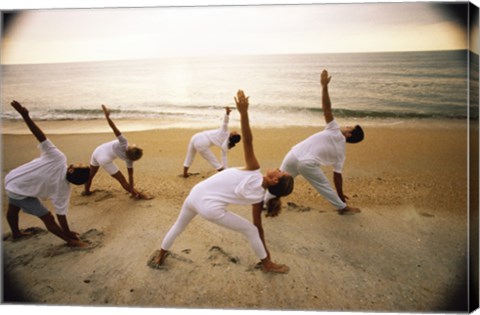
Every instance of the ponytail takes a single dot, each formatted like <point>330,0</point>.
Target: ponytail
<point>284,187</point>
<point>274,206</point>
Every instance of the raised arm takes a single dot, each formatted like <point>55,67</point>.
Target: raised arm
<point>251,162</point>
<point>226,119</point>
<point>36,131</point>
<point>326,104</point>
<point>106,111</point>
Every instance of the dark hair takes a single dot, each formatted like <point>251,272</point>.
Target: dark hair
<point>134,153</point>
<point>284,187</point>
<point>233,139</point>
<point>78,175</point>
<point>357,135</point>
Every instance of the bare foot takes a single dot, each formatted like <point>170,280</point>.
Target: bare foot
<point>187,175</point>
<point>21,234</point>
<point>348,211</point>
<point>269,266</point>
<point>157,259</point>
<point>140,195</point>
<point>144,196</point>
<point>160,258</point>
<point>78,244</point>
<point>88,193</point>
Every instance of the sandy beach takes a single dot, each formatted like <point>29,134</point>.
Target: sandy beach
<point>405,252</point>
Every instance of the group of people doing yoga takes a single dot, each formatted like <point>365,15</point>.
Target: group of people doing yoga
<point>49,177</point>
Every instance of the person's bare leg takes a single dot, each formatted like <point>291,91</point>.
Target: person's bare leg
<point>122,180</point>
<point>12,218</point>
<point>160,258</point>
<point>93,172</point>
<point>185,172</point>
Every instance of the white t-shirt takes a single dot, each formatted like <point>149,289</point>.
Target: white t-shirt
<point>218,136</point>
<point>231,186</point>
<point>326,147</point>
<point>44,177</point>
<point>109,151</point>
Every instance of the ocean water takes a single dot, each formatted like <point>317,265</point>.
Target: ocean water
<point>284,90</point>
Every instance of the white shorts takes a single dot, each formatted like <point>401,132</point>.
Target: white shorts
<point>99,159</point>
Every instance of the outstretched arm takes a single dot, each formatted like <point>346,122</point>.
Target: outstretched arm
<point>106,111</point>
<point>62,219</point>
<point>338,181</point>
<point>326,103</point>
<point>36,131</point>
<point>251,162</point>
<point>130,179</point>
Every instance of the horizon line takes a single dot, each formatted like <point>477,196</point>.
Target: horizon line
<point>232,55</point>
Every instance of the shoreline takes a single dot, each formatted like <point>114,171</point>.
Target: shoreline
<point>59,127</point>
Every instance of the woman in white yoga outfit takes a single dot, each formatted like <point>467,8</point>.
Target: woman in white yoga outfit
<point>243,186</point>
<point>105,154</point>
<point>202,141</point>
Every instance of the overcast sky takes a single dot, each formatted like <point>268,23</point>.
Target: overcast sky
<point>65,35</point>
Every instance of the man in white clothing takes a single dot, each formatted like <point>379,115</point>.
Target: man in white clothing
<point>104,156</point>
<point>202,141</point>
<point>325,148</point>
<point>46,177</point>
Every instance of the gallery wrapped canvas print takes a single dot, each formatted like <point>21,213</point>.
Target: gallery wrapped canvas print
<point>269,156</point>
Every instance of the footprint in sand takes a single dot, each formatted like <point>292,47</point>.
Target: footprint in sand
<point>426,214</point>
<point>22,260</point>
<point>98,195</point>
<point>169,255</point>
<point>189,174</point>
<point>93,237</point>
<point>33,231</point>
<point>219,257</point>
<point>295,207</point>
<point>103,195</point>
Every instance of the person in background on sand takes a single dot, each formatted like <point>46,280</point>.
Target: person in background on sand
<point>325,148</point>
<point>46,177</point>
<point>202,141</point>
<point>243,186</point>
<point>105,154</point>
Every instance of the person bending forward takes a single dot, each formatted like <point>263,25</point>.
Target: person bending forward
<point>46,177</point>
<point>242,186</point>
<point>105,154</point>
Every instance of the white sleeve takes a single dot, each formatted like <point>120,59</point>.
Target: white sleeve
<point>47,148</point>
<point>224,148</point>
<point>61,200</point>
<point>250,188</point>
<point>226,119</point>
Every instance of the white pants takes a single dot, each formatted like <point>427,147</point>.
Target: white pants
<point>311,171</point>
<point>227,219</point>
<point>200,143</point>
